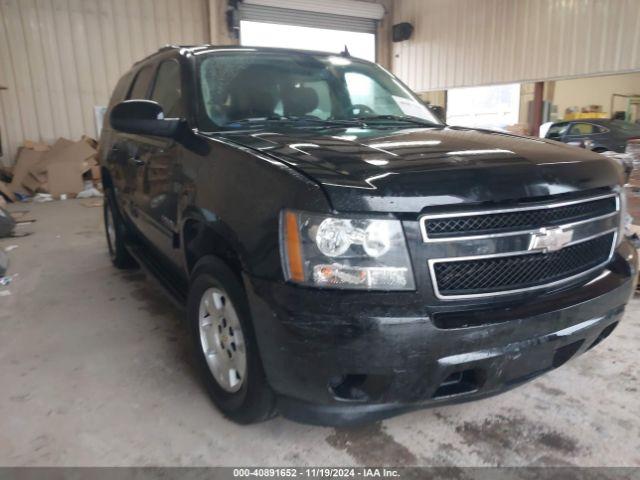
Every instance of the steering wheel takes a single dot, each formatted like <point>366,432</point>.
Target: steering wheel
<point>361,110</point>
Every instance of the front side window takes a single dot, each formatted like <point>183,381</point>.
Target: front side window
<point>167,90</point>
<point>248,87</point>
<point>141,83</point>
<point>558,130</point>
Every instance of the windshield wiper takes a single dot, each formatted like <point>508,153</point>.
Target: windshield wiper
<point>293,119</point>
<point>399,118</point>
<point>340,122</point>
<point>328,121</point>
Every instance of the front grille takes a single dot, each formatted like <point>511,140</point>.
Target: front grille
<point>516,272</point>
<point>517,220</point>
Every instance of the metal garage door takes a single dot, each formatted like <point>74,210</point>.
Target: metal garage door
<point>349,15</point>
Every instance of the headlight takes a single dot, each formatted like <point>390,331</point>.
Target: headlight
<point>345,252</point>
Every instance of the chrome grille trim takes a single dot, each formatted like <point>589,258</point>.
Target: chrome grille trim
<point>471,213</point>
<point>433,261</point>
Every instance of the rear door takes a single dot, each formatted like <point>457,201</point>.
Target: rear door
<point>159,193</point>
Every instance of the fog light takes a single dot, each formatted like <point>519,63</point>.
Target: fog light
<point>369,277</point>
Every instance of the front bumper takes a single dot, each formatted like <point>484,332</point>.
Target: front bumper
<point>337,358</point>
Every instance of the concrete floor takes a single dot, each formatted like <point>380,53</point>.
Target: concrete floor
<point>94,370</point>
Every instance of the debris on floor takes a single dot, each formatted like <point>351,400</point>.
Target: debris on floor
<point>96,203</point>
<point>47,172</point>
<point>43,197</point>
<point>89,193</point>
<point>4,263</point>
<point>7,223</point>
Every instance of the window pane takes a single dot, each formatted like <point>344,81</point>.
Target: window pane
<point>366,92</point>
<point>141,83</point>
<point>494,107</point>
<point>557,131</point>
<point>581,129</point>
<point>167,90</point>
<point>270,85</point>
<point>258,34</point>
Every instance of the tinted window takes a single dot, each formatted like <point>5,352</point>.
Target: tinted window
<point>558,130</point>
<point>141,83</point>
<point>585,129</point>
<point>167,90</point>
<point>120,91</point>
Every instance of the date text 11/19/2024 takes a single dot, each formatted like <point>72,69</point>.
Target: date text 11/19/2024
<point>320,472</point>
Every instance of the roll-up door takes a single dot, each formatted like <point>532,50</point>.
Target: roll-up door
<point>353,16</point>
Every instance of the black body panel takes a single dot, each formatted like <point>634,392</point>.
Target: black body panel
<point>338,356</point>
<point>409,170</point>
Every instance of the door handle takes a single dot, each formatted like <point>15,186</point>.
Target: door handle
<point>136,161</point>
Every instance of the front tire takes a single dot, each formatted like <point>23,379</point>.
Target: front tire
<point>224,344</point>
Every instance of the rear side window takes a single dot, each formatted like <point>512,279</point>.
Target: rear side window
<point>141,83</point>
<point>584,129</point>
<point>167,90</point>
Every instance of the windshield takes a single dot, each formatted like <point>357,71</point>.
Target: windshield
<point>248,87</point>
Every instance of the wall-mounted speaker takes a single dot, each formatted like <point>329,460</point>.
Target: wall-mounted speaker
<point>402,31</point>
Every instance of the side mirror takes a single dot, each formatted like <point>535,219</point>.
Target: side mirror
<point>143,117</point>
<point>438,111</point>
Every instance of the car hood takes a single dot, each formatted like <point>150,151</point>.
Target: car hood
<point>407,170</point>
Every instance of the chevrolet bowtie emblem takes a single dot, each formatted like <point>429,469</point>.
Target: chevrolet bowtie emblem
<point>550,239</point>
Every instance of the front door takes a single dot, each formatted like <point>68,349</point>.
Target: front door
<point>160,191</point>
<point>128,152</point>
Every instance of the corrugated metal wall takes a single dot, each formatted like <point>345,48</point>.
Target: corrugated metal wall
<point>60,58</point>
<point>478,42</point>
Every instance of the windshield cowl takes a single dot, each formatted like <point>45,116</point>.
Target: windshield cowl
<point>376,122</point>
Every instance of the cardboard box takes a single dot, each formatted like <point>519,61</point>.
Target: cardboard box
<point>92,142</point>
<point>39,170</point>
<point>33,184</point>
<point>78,152</point>
<point>56,169</point>
<point>37,146</point>
<point>26,159</point>
<point>65,177</point>
<point>66,166</point>
<point>6,192</point>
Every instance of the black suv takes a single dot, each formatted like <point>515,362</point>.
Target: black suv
<point>343,255</point>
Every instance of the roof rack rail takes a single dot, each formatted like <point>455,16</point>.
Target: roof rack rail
<point>160,50</point>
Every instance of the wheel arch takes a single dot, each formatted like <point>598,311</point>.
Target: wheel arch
<point>202,234</point>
